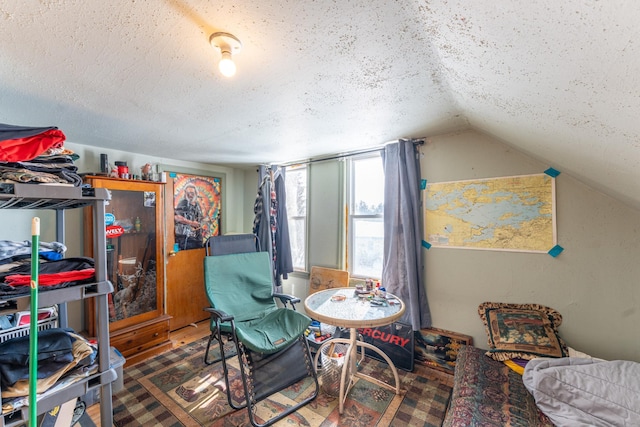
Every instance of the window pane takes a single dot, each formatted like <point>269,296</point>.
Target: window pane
<point>368,188</point>
<point>368,246</point>
<point>298,243</point>
<point>296,188</point>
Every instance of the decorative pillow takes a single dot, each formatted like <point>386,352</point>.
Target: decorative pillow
<point>522,331</point>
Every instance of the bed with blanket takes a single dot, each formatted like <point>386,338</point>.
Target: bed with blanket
<point>530,377</point>
<point>489,393</point>
<point>575,391</point>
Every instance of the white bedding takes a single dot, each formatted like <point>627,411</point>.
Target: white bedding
<point>585,392</point>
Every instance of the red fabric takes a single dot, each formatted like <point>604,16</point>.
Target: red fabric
<point>22,149</point>
<point>50,279</point>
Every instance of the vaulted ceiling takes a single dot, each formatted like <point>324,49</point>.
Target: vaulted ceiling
<point>559,80</point>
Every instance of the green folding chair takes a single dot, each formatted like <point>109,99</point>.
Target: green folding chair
<point>270,345</point>
<point>225,245</point>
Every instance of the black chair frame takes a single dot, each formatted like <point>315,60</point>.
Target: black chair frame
<point>256,384</point>
<point>245,357</point>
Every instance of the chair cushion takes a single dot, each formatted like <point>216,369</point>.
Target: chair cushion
<point>272,332</point>
<point>240,284</point>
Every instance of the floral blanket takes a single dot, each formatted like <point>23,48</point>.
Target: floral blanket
<point>488,393</point>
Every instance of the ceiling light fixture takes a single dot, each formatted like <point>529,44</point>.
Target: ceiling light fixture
<point>227,44</point>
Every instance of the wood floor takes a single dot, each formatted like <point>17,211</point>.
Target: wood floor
<point>178,338</point>
<point>196,331</point>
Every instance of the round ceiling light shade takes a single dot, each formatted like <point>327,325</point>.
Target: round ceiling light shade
<point>228,45</point>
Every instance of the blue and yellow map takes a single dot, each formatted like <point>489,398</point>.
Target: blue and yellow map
<point>514,213</point>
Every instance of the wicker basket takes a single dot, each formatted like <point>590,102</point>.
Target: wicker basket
<point>332,367</point>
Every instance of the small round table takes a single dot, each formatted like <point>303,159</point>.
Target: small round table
<point>345,308</point>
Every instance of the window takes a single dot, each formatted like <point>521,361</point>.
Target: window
<point>365,235</point>
<point>296,188</point>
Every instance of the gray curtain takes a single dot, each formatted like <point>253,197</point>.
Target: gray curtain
<point>270,223</point>
<point>402,269</point>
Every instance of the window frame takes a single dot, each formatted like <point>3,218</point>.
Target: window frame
<point>304,218</point>
<point>353,217</point>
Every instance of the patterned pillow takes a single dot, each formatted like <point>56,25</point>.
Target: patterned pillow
<point>522,331</point>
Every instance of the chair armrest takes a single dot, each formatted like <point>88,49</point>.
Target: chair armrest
<point>284,298</point>
<point>219,314</point>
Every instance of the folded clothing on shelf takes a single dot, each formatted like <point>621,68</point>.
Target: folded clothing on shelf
<point>24,143</point>
<point>53,274</point>
<point>59,351</point>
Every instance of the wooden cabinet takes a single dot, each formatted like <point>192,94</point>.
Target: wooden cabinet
<point>134,220</point>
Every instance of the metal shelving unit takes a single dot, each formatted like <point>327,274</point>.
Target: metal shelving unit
<point>60,198</point>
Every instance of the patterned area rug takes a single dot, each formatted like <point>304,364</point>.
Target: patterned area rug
<point>176,389</point>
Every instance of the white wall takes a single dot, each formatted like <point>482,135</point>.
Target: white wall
<point>250,192</point>
<point>594,283</point>
<point>233,179</point>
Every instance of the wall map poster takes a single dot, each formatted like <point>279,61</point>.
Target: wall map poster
<point>514,213</point>
<point>197,209</point>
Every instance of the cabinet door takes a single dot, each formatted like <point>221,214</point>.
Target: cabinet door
<point>134,230</point>
<point>186,297</point>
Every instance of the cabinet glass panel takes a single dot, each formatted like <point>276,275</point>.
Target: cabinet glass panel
<point>131,253</point>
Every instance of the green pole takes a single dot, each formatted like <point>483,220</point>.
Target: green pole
<point>33,323</point>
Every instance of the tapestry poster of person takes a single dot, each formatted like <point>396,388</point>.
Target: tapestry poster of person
<point>197,209</point>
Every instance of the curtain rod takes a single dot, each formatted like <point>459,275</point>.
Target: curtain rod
<point>347,154</point>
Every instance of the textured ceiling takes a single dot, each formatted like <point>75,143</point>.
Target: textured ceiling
<point>556,79</point>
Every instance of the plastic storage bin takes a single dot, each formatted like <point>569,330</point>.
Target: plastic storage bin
<point>326,331</point>
<point>51,321</point>
<point>116,361</point>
